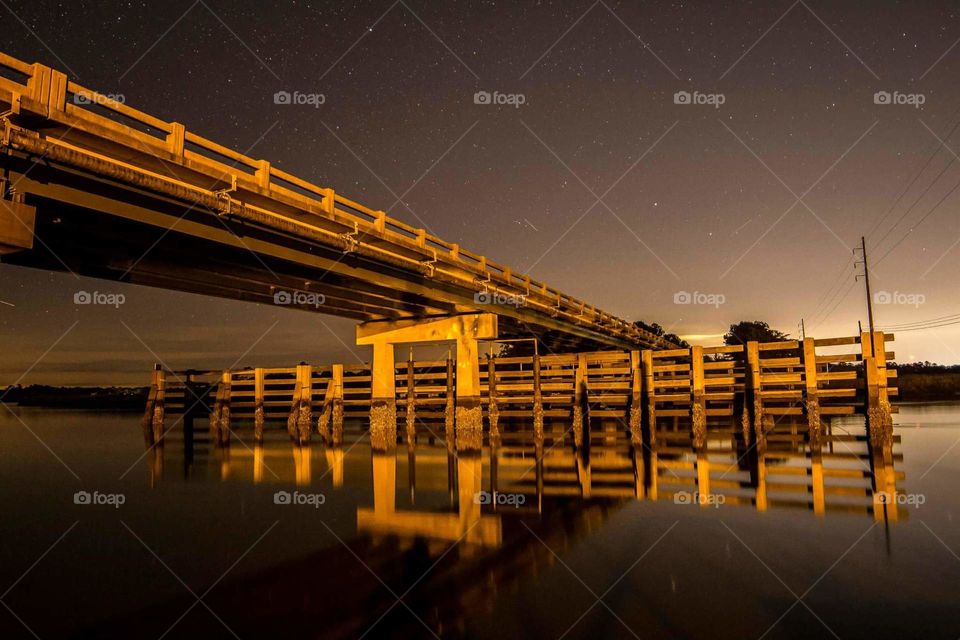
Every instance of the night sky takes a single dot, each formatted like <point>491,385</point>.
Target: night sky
<point>599,184</point>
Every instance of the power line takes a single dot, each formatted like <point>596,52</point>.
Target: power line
<point>932,326</point>
<point>936,150</point>
<point>924,322</point>
<point>836,285</point>
<point>920,221</point>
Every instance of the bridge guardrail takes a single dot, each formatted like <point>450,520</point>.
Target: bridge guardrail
<point>46,91</point>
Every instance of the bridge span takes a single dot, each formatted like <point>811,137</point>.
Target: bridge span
<point>93,186</point>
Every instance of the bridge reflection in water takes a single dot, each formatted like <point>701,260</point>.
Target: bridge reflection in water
<point>467,519</point>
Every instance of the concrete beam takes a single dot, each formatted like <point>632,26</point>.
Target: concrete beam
<point>463,330</point>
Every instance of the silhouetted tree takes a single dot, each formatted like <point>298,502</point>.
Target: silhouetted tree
<point>747,330</point>
<point>660,332</point>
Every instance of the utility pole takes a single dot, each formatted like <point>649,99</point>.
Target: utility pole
<point>866,280</point>
<point>803,330</point>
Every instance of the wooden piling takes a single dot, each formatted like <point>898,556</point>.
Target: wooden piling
<point>579,401</point>
<point>449,410</point>
<point>411,402</point>
<point>650,397</point>
<point>300,416</point>
<point>812,399</point>
<point>259,417</point>
<point>153,405</point>
<point>337,404</point>
<point>698,402</point>
<point>537,403</point>
<point>223,423</point>
<point>636,383</point>
<point>493,410</point>
<point>754,388</point>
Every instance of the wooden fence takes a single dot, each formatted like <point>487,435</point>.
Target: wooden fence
<point>580,398</point>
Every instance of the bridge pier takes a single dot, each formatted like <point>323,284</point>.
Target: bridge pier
<point>463,330</point>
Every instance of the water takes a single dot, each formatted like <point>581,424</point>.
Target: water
<point>205,550</point>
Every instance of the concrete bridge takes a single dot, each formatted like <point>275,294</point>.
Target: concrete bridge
<point>98,188</point>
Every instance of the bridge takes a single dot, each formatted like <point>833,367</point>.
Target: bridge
<point>98,188</point>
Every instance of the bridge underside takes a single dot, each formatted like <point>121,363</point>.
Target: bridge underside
<point>104,229</point>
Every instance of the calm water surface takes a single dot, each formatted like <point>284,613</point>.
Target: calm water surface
<point>363,545</point>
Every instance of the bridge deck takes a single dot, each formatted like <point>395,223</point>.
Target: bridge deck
<point>110,184</point>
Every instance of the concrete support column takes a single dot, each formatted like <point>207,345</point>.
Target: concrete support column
<point>464,331</point>
<point>383,400</point>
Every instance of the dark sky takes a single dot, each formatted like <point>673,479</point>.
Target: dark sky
<point>693,198</point>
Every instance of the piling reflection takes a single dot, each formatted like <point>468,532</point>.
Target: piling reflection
<point>842,473</point>
<point>482,523</point>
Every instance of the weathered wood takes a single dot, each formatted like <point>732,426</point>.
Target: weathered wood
<point>580,401</point>
<point>258,415</point>
<point>300,417</point>
<point>537,403</point>
<point>493,410</point>
<point>411,402</point>
<point>755,398</point>
<point>650,397</point>
<point>449,409</point>
<point>698,406</point>
<point>337,404</point>
<point>812,398</point>
<point>636,384</point>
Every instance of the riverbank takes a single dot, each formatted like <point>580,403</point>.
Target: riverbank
<point>113,398</point>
